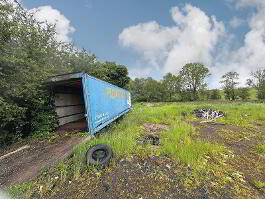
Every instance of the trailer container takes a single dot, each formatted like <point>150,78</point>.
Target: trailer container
<point>85,103</point>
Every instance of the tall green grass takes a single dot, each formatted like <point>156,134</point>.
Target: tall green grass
<point>120,136</point>
<point>261,148</point>
<point>178,144</point>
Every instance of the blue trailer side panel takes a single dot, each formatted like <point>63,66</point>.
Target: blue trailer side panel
<point>86,94</point>
<point>104,102</point>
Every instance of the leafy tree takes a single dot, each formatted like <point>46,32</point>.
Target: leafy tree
<point>146,90</point>
<point>116,74</point>
<point>136,89</point>
<point>26,49</point>
<point>193,78</point>
<point>29,54</point>
<point>171,85</point>
<point>81,61</point>
<point>187,95</point>
<point>229,84</point>
<point>154,90</point>
<point>243,93</point>
<point>258,82</point>
<point>215,94</point>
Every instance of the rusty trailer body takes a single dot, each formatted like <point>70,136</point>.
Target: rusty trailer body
<point>85,103</point>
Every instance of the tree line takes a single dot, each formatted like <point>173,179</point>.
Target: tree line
<point>190,84</point>
<point>29,54</point>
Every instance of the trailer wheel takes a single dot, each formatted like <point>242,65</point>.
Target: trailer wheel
<point>99,155</point>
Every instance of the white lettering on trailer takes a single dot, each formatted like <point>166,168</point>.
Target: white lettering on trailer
<point>99,116</point>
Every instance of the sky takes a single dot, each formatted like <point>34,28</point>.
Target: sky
<point>154,37</point>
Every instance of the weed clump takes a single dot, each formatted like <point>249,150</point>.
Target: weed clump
<point>261,148</point>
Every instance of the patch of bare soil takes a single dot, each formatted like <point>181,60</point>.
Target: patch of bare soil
<point>155,128</point>
<point>77,126</point>
<point>154,177</point>
<point>151,135</point>
<point>26,164</point>
<point>242,143</point>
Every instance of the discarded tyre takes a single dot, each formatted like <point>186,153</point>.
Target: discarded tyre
<point>99,155</point>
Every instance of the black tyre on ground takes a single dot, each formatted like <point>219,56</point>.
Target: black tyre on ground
<point>99,155</point>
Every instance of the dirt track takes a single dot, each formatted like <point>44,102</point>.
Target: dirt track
<point>26,164</point>
<point>242,143</point>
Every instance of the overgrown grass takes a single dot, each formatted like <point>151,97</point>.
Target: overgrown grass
<point>176,143</point>
<point>261,148</point>
<point>120,136</point>
<point>17,191</point>
<point>259,184</point>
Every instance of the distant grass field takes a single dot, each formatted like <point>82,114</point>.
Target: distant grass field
<point>252,92</point>
<point>177,143</point>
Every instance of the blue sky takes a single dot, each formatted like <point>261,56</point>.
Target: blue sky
<point>149,36</point>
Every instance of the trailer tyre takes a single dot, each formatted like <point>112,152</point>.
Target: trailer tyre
<point>99,155</point>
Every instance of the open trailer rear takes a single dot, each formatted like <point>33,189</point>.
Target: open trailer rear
<point>85,103</point>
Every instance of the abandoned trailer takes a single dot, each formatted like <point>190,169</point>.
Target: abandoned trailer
<point>85,103</point>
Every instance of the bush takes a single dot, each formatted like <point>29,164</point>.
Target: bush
<point>243,93</point>
<point>11,120</point>
<point>215,94</point>
<point>261,92</point>
<point>29,54</point>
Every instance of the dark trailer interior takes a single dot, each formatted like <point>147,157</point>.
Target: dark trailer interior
<point>69,103</point>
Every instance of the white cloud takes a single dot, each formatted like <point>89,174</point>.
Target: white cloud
<point>197,37</point>
<point>193,38</point>
<point>248,3</point>
<point>140,72</point>
<point>235,22</point>
<point>250,55</point>
<point>63,26</point>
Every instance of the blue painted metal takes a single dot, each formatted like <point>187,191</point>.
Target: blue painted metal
<point>104,102</point>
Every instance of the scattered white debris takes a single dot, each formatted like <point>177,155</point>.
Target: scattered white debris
<point>209,114</point>
<point>168,166</point>
<point>41,188</point>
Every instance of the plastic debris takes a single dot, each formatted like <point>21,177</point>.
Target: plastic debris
<point>208,114</point>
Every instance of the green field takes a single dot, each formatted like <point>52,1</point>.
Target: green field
<point>221,159</point>
<point>252,94</point>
